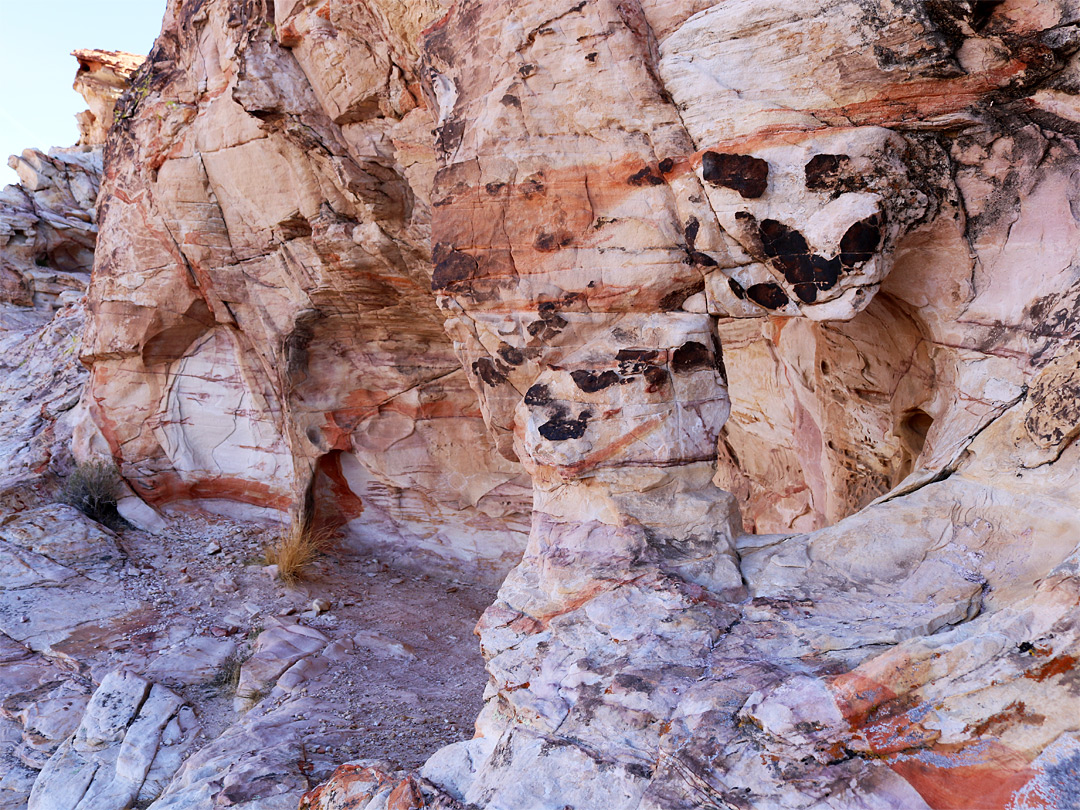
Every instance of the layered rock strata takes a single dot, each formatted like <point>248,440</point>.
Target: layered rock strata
<point>48,226</point>
<point>263,336</point>
<point>48,232</point>
<point>825,251</point>
<point>48,222</point>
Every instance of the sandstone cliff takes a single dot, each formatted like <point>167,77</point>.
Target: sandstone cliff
<point>759,319</point>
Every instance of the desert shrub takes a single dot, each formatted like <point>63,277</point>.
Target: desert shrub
<point>296,548</point>
<point>227,678</point>
<point>92,488</point>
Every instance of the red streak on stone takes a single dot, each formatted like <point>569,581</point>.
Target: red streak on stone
<point>337,436</point>
<point>168,488</point>
<point>857,696</point>
<point>362,404</point>
<point>343,783</point>
<point>896,734</point>
<point>984,775</point>
<point>1055,666</point>
<point>613,449</point>
<point>441,22</point>
<point>987,785</point>
<point>348,503</point>
<point>406,796</point>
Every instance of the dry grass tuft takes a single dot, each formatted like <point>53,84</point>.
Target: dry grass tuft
<point>296,548</point>
<point>92,489</point>
<point>227,678</point>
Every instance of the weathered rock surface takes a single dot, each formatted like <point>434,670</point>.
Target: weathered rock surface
<point>300,355</point>
<point>41,380</point>
<point>102,78</point>
<point>885,177</point>
<point>48,226</point>
<point>770,308</point>
<point>132,738</point>
<point>48,231</point>
<point>48,222</point>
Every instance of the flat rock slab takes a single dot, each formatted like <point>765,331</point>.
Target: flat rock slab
<point>65,536</point>
<point>132,733</point>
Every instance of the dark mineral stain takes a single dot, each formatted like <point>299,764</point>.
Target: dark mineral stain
<point>511,354</point>
<point>550,323</point>
<point>790,253</point>
<point>511,101</point>
<point>538,394</point>
<point>533,185</point>
<point>777,239</point>
<point>494,188</point>
<point>645,177</point>
<point>737,289</point>
<point>746,174</point>
<point>635,361</point>
<point>860,241</point>
<point>823,171</point>
<point>550,242</point>
<point>826,271</point>
<point>451,266</point>
<point>449,135</point>
<point>690,357</point>
<point>634,683</point>
<point>767,295</point>
<point>548,312</point>
<point>487,370</point>
<point>674,300</point>
<point>591,57</point>
<point>981,13</point>
<point>721,369</point>
<point>591,381</point>
<point>691,231</point>
<point>560,428</point>
<point>527,70</point>
<point>667,165</point>
<point>702,259</point>
<point>656,378</point>
<point>806,292</point>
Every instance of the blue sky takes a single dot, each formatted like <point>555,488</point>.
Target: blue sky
<point>37,104</point>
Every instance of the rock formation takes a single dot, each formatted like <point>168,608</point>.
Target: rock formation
<point>102,78</point>
<point>263,331</point>
<point>48,231</point>
<point>770,308</point>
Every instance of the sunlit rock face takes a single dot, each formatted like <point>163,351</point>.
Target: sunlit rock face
<point>102,78</point>
<point>263,333</point>
<point>759,319</point>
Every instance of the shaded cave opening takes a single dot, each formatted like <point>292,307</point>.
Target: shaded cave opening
<point>912,430</point>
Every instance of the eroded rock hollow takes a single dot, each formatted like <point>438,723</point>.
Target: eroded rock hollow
<point>746,330</point>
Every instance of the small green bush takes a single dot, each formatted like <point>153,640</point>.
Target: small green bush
<point>92,489</point>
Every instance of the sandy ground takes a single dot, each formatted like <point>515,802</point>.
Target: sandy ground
<point>408,681</point>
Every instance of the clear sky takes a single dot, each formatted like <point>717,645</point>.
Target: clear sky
<point>37,104</point>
